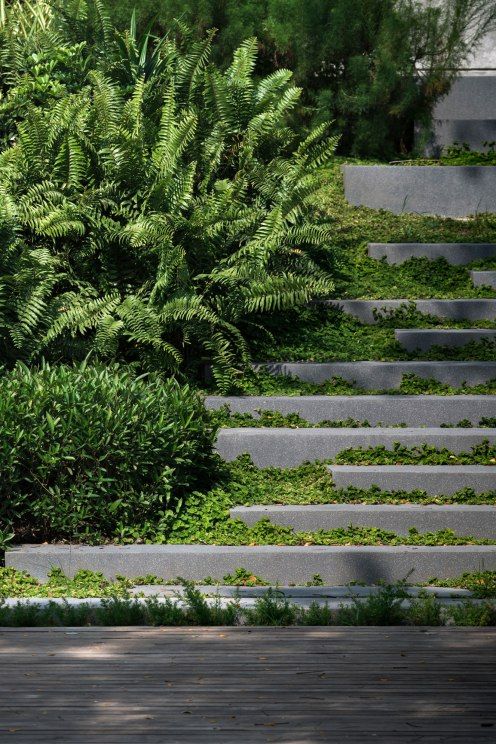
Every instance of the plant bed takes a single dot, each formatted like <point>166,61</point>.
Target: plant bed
<point>90,584</point>
<point>395,604</point>
<point>455,191</point>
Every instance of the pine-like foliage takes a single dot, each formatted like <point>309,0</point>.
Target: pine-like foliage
<point>149,218</point>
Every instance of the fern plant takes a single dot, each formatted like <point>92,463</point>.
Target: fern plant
<point>151,221</point>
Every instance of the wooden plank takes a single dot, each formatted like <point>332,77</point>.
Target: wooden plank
<point>253,684</point>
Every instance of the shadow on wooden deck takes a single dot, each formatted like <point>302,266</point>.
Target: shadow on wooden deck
<point>247,685</point>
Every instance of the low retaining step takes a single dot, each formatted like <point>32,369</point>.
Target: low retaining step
<point>368,311</point>
<point>413,410</point>
<point>434,479</point>
<point>453,253</point>
<point>290,447</point>
<point>386,375</point>
<point>423,339</point>
<point>483,279</point>
<point>277,564</point>
<point>446,191</point>
<point>477,521</point>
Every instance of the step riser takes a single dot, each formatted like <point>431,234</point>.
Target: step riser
<point>284,565</point>
<point>413,410</point>
<point>483,278</point>
<point>457,254</point>
<point>441,480</point>
<point>385,375</point>
<point>291,447</point>
<point>476,521</point>
<point>423,340</point>
<point>455,191</point>
<point>463,310</point>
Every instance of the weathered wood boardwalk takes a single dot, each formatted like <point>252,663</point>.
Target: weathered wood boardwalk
<point>247,685</point>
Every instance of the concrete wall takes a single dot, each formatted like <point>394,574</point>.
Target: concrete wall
<point>468,113</point>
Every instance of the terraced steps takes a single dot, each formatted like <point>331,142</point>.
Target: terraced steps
<point>370,311</point>
<point>454,253</point>
<point>478,521</point>
<point>423,339</point>
<point>483,279</point>
<point>281,447</point>
<point>277,564</point>
<point>433,479</point>
<point>385,375</point>
<point>413,410</point>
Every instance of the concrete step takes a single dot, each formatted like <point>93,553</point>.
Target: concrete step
<point>423,339</point>
<point>437,480</point>
<point>287,448</point>
<point>477,521</point>
<point>368,310</point>
<point>454,253</point>
<point>276,564</point>
<point>413,410</point>
<point>483,278</point>
<point>385,375</point>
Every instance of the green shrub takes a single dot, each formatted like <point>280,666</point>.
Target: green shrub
<point>95,453</point>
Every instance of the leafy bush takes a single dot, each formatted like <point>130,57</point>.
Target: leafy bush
<point>147,216</point>
<point>90,453</point>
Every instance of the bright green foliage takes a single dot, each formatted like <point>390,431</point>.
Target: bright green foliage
<point>481,583</point>
<point>15,583</point>
<point>148,218</point>
<point>97,453</point>
<point>481,454</point>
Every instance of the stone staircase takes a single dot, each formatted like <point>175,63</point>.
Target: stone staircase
<point>408,420</point>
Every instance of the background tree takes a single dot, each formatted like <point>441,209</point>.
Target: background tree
<point>374,66</point>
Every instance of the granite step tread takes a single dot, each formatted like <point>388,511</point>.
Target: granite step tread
<point>414,410</point>
<point>369,311</point>
<point>372,375</point>
<point>477,521</point>
<point>276,564</point>
<point>453,253</point>
<point>483,278</point>
<point>284,447</point>
<point>423,339</point>
<point>433,479</point>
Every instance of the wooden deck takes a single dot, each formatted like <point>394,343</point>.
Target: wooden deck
<point>247,685</point>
